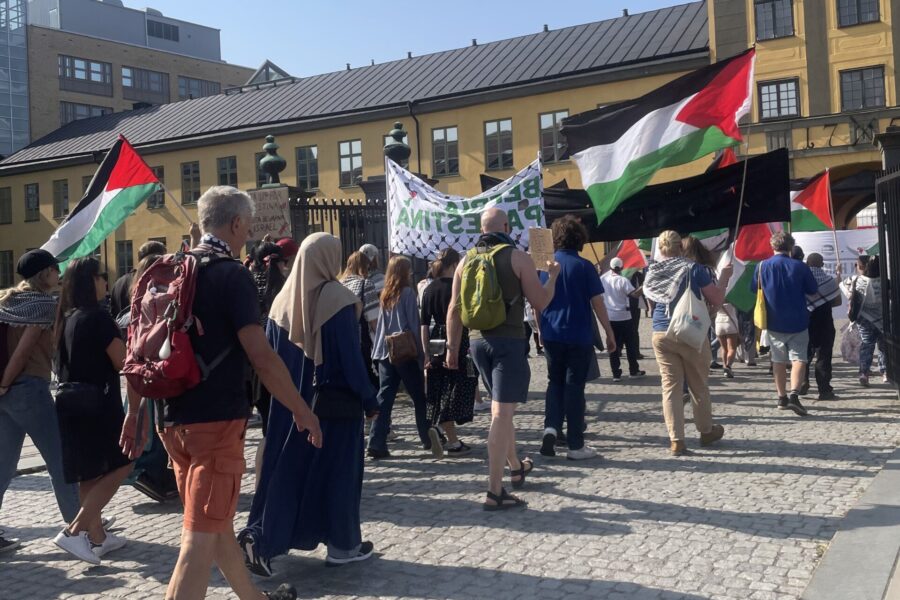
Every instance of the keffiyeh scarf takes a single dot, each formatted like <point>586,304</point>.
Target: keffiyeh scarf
<point>828,289</point>
<point>29,308</point>
<point>664,278</point>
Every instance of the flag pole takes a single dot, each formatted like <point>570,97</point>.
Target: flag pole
<point>737,225</point>
<point>177,203</point>
<point>837,249</point>
<point>596,256</point>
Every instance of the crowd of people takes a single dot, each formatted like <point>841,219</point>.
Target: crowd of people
<point>321,346</point>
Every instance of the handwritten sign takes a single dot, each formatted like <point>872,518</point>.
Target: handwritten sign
<point>272,214</point>
<point>541,247</point>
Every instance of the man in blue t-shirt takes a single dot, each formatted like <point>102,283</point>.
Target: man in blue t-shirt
<point>567,334</point>
<point>786,282</point>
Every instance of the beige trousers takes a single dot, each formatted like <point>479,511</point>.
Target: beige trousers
<point>679,362</point>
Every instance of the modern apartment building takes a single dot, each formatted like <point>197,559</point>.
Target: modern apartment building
<point>63,60</point>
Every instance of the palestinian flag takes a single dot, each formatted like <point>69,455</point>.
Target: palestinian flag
<point>619,147</point>
<point>749,249</point>
<point>811,203</point>
<point>633,258</point>
<point>119,186</point>
<point>726,158</point>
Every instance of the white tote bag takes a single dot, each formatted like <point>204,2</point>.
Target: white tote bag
<point>689,322</point>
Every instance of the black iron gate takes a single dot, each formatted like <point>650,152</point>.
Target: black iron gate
<point>887,196</point>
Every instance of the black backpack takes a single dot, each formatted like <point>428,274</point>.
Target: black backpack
<point>856,302</point>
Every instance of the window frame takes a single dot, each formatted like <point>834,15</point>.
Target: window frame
<point>775,35</point>
<point>69,68</point>
<point>188,185</point>
<point>556,137</point>
<point>308,163</point>
<point>124,253</point>
<point>61,205</point>
<point>351,156</point>
<point>777,83</point>
<point>6,209</point>
<point>32,214</point>
<point>499,135</point>
<point>67,109</point>
<point>445,144</point>
<point>205,87</point>
<point>861,71</point>
<point>7,268</point>
<point>157,199</point>
<point>858,5</point>
<point>145,84</point>
<point>165,31</point>
<point>227,170</point>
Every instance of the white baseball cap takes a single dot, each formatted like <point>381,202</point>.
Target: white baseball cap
<point>369,250</point>
<point>616,263</point>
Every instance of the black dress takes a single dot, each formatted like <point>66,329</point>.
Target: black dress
<point>89,402</point>
<point>451,394</point>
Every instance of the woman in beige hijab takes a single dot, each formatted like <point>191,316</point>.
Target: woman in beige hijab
<point>309,496</point>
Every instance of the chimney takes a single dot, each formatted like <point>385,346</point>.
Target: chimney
<point>624,12</point>
<point>546,29</point>
<point>474,42</point>
<point>348,66</point>
<point>409,55</point>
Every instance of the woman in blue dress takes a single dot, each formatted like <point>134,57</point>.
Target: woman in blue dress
<point>309,496</point>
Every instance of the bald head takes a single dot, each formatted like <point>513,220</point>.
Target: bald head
<point>494,220</point>
<point>814,259</point>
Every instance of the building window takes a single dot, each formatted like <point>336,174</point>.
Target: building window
<point>145,85</point>
<point>190,182</point>
<point>308,167</point>
<point>774,19</point>
<point>350,155</point>
<point>165,31</point>
<point>73,111</point>
<point>124,257</point>
<point>862,88</point>
<point>498,148</point>
<point>5,206</point>
<point>779,138</point>
<point>60,198</point>
<point>158,198</point>
<point>261,178</point>
<point>86,183</point>
<point>32,202</point>
<point>553,143</point>
<point>855,12</point>
<point>6,269</point>
<point>445,151</point>
<point>779,99</point>
<point>188,87</point>
<point>84,70</point>
<point>226,168</point>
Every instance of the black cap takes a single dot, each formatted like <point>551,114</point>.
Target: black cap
<point>33,262</point>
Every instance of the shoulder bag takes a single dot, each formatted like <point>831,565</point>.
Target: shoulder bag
<point>689,323</point>
<point>402,345</point>
<point>856,302</point>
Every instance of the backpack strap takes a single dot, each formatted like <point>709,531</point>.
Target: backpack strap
<point>206,369</point>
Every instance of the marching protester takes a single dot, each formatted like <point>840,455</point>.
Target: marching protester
<point>786,282</point>
<point>617,295</point>
<point>821,325</point>
<point>204,428</point>
<point>308,495</point>
<point>565,323</point>
<point>27,314</point>
<point>635,300</point>
<point>400,356</point>
<point>90,354</point>
<point>450,393</point>
<point>679,362</point>
<point>864,294</point>
<point>355,277</point>
<point>499,350</point>
<point>120,293</point>
<point>695,251</point>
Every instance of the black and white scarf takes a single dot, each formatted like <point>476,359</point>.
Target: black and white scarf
<point>210,244</point>
<point>29,308</point>
<point>664,278</point>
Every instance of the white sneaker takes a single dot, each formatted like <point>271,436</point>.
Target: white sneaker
<point>107,522</point>
<point>78,546</point>
<point>112,542</point>
<point>482,406</point>
<point>884,378</point>
<point>582,453</point>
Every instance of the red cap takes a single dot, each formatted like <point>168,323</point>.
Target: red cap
<point>288,247</point>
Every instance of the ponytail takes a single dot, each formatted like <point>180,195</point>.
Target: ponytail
<point>448,257</point>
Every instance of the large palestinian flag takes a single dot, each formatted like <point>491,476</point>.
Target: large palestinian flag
<point>749,249</point>
<point>811,203</point>
<point>119,186</point>
<point>619,147</point>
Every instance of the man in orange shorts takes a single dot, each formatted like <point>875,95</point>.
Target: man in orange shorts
<point>203,429</point>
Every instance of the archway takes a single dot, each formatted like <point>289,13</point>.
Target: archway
<point>852,189</point>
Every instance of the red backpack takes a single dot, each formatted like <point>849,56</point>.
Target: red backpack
<point>160,361</point>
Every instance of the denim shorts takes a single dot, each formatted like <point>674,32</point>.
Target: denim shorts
<point>789,347</point>
<point>503,365</point>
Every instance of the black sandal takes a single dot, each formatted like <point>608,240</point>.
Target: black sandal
<point>504,501</point>
<point>526,466</point>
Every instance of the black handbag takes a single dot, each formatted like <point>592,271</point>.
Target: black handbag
<point>336,402</point>
<point>856,301</point>
<point>81,399</point>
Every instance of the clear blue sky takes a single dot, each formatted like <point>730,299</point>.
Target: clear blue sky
<point>318,36</point>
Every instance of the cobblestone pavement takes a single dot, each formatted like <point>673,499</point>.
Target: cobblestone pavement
<point>747,518</point>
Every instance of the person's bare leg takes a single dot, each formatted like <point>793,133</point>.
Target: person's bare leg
<point>195,560</point>
<point>798,374</point>
<point>449,428</point>
<point>257,466</point>
<point>779,370</point>
<point>500,439</point>
<point>94,501</point>
<point>230,561</point>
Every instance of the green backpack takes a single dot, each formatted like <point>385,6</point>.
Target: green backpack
<point>481,299</point>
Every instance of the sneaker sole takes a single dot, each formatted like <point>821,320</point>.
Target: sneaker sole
<point>547,445</point>
<point>436,449</point>
<point>799,411</point>
<point>11,547</point>
<point>253,562</point>
<point>337,562</point>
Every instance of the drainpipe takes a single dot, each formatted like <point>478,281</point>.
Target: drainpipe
<point>409,106</point>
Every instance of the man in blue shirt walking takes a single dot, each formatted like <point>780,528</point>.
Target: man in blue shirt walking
<point>785,284</point>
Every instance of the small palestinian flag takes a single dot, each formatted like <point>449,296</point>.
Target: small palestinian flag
<point>811,203</point>
<point>119,186</point>
<point>618,148</point>
<point>726,158</point>
<point>749,249</point>
<point>633,258</point>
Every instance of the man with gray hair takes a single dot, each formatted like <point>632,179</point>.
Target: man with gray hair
<point>821,324</point>
<point>785,283</point>
<point>203,429</point>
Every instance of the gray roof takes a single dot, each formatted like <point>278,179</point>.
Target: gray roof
<point>562,53</point>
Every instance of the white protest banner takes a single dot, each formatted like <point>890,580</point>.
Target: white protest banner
<point>272,214</point>
<point>852,242</point>
<point>423,221</point>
